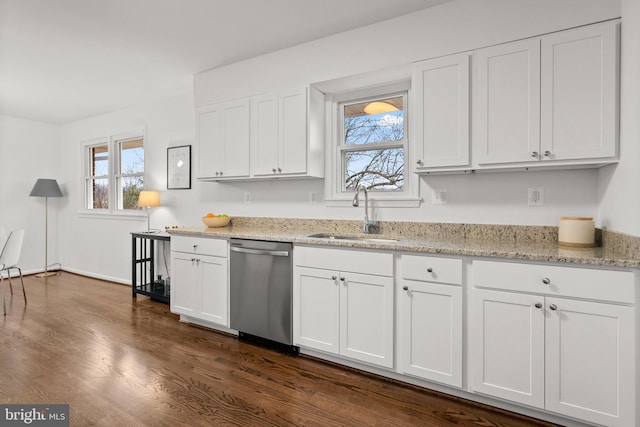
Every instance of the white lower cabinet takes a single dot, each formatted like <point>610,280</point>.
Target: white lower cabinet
<point>431,318</point>
<point>572,357</point>
<point>199,285</point>
<point>348,310</point>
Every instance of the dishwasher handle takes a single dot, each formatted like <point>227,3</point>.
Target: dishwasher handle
<point>259,251</point>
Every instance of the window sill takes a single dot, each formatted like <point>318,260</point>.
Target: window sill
<point>408,202</point>
<point>123,215</point>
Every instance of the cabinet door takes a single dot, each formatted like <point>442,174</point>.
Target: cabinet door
<point>579,93</point>
<point>590,361</point>
<point>292,154</point>
<point>264,137</point>
<point>442,111</point>
<point>210,134</point>
<point>366,318</point>
<point>507,107</point>
<point>212,272</point>
<point>432,331</point>
<point>185,284</point>
<point>507,346</point>
<point>316,309</point>
<point>236,139</point>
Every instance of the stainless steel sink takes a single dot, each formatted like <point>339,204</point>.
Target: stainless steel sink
<point>372,239</point>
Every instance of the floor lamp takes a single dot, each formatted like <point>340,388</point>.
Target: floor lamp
<point>46,188</point>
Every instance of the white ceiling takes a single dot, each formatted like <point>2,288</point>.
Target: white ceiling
<point>63,60</point>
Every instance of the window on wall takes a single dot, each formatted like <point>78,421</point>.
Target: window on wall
<point>373,143</point>
<point>114,173</point>
<point>370,147</point>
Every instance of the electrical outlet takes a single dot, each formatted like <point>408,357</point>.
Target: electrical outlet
<point>247,197</point>
<point>439,197</point>
<point>313,197</point>
<point>536,197</point>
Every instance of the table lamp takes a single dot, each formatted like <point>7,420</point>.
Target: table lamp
<point>46,188</point>
<point>148,199</point>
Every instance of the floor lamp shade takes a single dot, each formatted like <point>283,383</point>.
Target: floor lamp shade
<point>46,188</point>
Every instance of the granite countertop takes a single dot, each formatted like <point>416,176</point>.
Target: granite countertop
<point>510,242</point>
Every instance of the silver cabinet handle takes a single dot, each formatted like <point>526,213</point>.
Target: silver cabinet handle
<point>343,280</point>
<point>538,305</point>
<point>429,270</point>
<point>405,288</point>
<point>334,277</point>
<point>553,307</point>
<point>193,260</point>
<point>534,154</point>
<point>547,153</point>
<point>259,251</point>
<point>546,280</point>
<point>273,170</point>
<point>419,162</point>
<point>195,247</point>
<point>279,170</point>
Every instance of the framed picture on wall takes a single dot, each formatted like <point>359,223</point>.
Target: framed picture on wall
<point>179,167</point>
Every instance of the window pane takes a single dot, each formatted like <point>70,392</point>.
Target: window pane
<point>99,160</point>
<point>374,121</point>
<point>99,193</point>
<point>131,156</point>
<point>129,189</point>
<point>381,170</point>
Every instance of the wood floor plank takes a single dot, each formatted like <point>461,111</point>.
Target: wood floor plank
<point>129,362</point>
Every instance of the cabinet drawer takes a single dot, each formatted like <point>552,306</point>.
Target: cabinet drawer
<point>199,245</point>
<point>588,283</point>
<point>432,269</point>
<point>376,263</point>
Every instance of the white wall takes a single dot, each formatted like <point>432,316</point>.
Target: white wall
<point>101,247</point>
<point>28,151</point>
<point>619,195</point>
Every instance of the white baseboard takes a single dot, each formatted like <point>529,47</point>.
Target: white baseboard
<point>97,276</point>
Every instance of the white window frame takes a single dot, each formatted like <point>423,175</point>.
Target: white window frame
<point>115,174</point>
<point>335,194</point>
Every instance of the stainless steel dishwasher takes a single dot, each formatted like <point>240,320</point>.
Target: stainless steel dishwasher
<point>261,290</point>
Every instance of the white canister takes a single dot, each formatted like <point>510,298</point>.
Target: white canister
<point>575,231</point>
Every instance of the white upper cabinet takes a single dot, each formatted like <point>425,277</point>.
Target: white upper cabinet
<point>508,102</point>
<point>550,100</point>
<point>223,140</point>
<point>274,135</point>
<point>441,112</point>
<point>264,141</point>
<point>279,133</point>
<point>579,93</point>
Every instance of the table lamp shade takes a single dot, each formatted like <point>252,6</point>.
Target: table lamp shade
<point>46,188</point>
<point>148,198</point>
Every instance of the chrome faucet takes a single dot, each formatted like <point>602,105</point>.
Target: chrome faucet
<point>367,226</point>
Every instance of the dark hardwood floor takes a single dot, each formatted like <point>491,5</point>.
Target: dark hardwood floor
<point>123,362</point>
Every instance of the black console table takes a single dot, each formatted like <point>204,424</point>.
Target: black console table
<point>143,267</point>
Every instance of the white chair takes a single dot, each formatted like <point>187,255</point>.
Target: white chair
<point>3,238</point>
<point>9,261</point>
